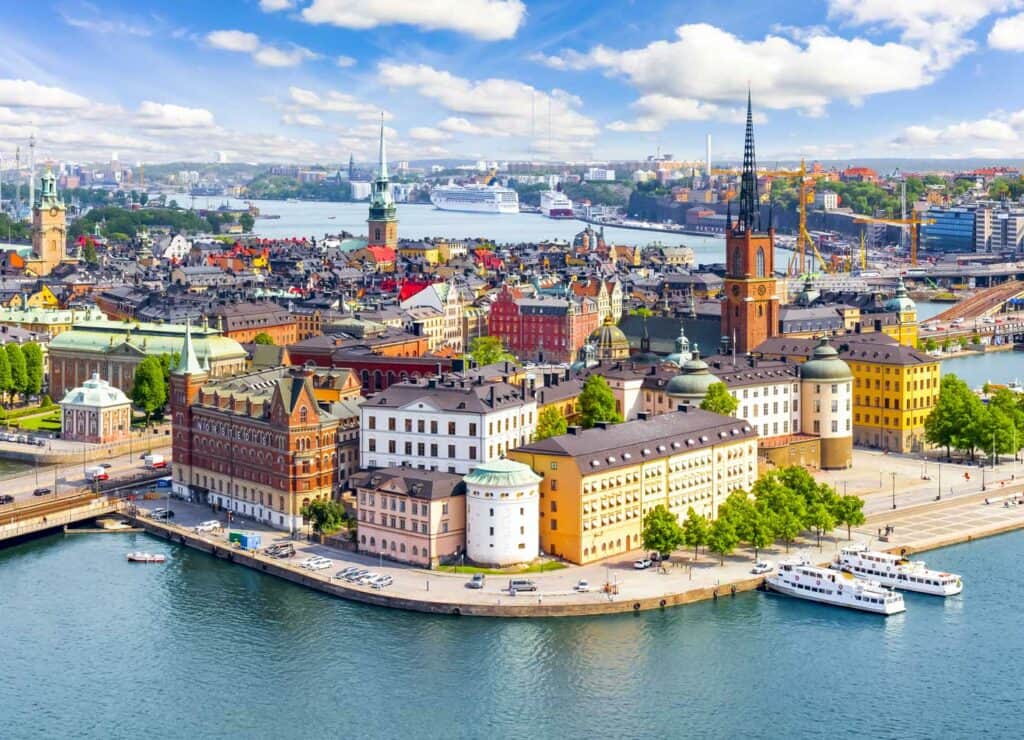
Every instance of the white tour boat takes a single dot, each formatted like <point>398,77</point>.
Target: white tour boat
<point>475,198</point>
<point>895,571</point>
<point>145,557</point>
<point>805,581</point>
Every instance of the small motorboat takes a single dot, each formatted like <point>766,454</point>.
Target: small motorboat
<point>146,557</point>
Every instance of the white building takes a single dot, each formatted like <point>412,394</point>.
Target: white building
<point>598,173</point>
<point>360,190</point>
<point>95,412</point>
<point>445,424</point>
<point>502,513</point>
<point>826,199</point>
<point>173,248</point>
<point>445,299</point>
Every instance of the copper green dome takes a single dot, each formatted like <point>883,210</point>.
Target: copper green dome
<point>692,382</point>
<point>609,341</point>
<point>825,364</point>
<point>901,302</point>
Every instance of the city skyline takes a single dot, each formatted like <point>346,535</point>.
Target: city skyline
<point>306,80</point>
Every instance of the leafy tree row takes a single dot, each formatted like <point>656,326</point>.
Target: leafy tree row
<point>784,503</point>
<point>961,421</point>
<point>21,369</point>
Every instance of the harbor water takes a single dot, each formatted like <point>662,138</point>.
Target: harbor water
<point>96,647</point>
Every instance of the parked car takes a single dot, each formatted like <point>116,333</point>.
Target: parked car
<point>42,492</point>
<point>323,564</point>
<point>356,575</point>
<point>164,514</point>
<point>643,564</point>
<point>282,550</point>
<point>521,584</point>
<point>583,586</point>
<point>6,499</point>
<point>345,572</point>
<point>383,582</point>
<point>106,466</point>
<point>211,525</point>
<point>761,567</point>
<point>477,581</point>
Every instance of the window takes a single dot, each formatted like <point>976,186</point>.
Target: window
<point>433,450</point>
<point>372,422</point>
<point>420,449</point>
<point>554,524</point>
<point>444,509</point>
<point>835,425</point>
<point>760,261</point>
<point>372,445</point>
<point>451,451</point>
<point>472,452</point>
<point>472,429</point>
<point>554,484</point>
<point>554,466</point>
<point>408,448</point>
<point>433,427</point>
<point>554,507</point>
<point>451,427</point>
<point>817,427</point>
<point>391,424</point>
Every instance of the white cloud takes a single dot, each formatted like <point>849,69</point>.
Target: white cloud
<point>985,129</point>
<point>265,55</point>
<point>164,115</point>
<point>499,107</point>
<point>303,119</point>
<point>240,41</point>
<point>1008,34</point>
<point>457,125</point>
<point>425,133</point>
<point>488,20</point>
<point>107,25</point>
<point>344,61</point>
<point>29,94</point>
<point>333,101</point>
<point>706,65</point>
<point>271,6</point>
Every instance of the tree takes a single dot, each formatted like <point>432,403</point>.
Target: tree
<point>89,254</point>
<point>264,338</point>
<point>722,538</point>
<point>661,532</point>
<point>949,424</point>
<point>6,382</point>
<point>597,402</point>
<point>246,221</point>
<point>695,531</point>
<point>849,510</point>
<point>167,361</point>
<point>488,350</point>
<point>33,368</point>
<point>149,392</point>
<point>325,515</point>
<point>821,520</point>
<point>550,423</point>
<point>19,369</point>
<point>718,400</point>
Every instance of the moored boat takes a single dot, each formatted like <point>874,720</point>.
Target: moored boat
<point>896,571</point>
<point>146,557</point>
<point>800,579</point>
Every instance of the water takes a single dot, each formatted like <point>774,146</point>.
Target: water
<point>927,309</point>
<point>95,647</point>
<point>976,370</point>
<point>11,468</point>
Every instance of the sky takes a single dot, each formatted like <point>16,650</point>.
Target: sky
<point>308,80</point>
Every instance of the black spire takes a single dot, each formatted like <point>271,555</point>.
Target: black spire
<point>750,217</point>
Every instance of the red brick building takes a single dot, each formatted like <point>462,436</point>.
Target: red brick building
<point>550,329</point>
<point>257,444</point>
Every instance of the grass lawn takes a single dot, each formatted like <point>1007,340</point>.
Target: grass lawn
<point>532,568</point>
<point>44,423</point>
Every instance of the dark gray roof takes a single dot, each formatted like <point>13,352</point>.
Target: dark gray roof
<point>413,482</point>
<point>629,443</point>
<point>871,347</point>
<point>450,396</point>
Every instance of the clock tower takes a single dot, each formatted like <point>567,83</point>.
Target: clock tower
<point>49,235</point>
<point>750,308</point>
<point>382,225</point>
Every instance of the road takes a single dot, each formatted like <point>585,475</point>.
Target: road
<point>59,478</point>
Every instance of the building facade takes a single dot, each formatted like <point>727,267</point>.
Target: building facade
<point>95,412</point>
<point>502,513</point>
<point>49,230</point>
<point>382,224</point>
<point>542,329</point>
<point>598,484</point>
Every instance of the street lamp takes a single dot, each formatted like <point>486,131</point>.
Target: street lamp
<point>939,497</point>
<point>893,489</point>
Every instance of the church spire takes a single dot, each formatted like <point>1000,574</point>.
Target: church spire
<point>750,219</point>
<point>383,164</point>
<point>188,362</point>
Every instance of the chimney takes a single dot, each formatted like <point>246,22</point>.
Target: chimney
<point>574,430</point>
<point>684,408</point>
<point>432,383</point>
<point>603,424</point>
<point>492,395</point>
<point>643,416</point>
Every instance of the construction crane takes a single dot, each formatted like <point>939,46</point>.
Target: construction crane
<point>914,222</point>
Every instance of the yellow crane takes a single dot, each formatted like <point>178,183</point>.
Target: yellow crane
<point>914,222</point>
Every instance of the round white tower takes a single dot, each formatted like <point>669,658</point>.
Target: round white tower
<point>502,513</point>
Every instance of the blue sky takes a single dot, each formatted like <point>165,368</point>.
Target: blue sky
<point>307,80</point>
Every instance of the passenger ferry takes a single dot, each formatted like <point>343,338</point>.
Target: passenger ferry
<point>555,204</point>
<point>895,571</point>
<point>802,580</point>
<point>475,198</point>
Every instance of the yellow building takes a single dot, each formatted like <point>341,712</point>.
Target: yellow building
<point>429,253</point>
<point>42,298</point>
<point>894,387</point>
<point>47,320</point>
<point>598,484</point>
<point>904,330</point>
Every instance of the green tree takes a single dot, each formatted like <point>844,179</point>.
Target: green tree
<point>149,392</point>
<point>325,515</point>
<point>951,424</point>
<point>167,361</point>
<point>33,368</point>
<point>722,537</point>
<point>550,423</point>
<point>849,511</point>
<point>488,350</point>
<point>661,532</point>
<point>597,402</point>
<point>821,520</point>
<point>718,400</point>
<point>246,221</point>
<point>19,369</point>
<point>695,531</point>
<point>6,381</point>
<point>263,338</point>
<point>89,254</point>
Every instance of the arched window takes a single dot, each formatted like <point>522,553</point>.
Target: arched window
<point>760,310</point>
<point>760,261</point>
<point>737,261</point>
<point>376,235</point>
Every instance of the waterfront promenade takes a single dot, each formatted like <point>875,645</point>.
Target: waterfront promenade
<point>686,580</point>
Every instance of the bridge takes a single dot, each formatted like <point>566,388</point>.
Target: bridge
<point>984,303</point>
<point>52,513</point>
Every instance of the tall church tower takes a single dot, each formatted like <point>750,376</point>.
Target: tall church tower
<point>187,377</point>
<point>750,308</point>
<point>49,235</point>
<point>382,225</point>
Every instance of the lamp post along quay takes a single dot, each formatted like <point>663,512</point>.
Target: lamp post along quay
<point>893,489</point>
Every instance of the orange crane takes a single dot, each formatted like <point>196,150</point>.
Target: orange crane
<point>914,222</point>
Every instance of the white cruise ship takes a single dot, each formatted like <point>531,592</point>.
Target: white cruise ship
<point>896,572</point>
<point>475,198</point>
<point>555,204</point>
<point>805,581</point>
